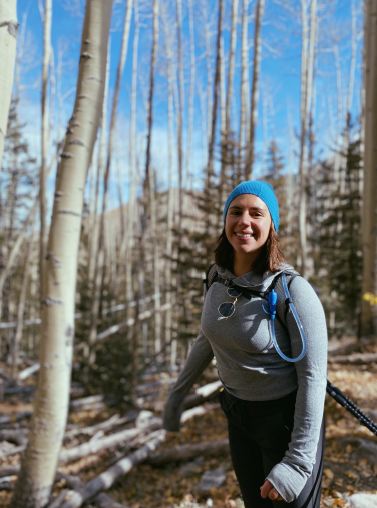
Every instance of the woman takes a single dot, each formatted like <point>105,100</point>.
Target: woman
<point>274,407</point>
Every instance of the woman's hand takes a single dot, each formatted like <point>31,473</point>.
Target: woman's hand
<point>268,490</point>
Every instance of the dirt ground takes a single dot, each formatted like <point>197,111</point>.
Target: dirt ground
<point>176,485</point>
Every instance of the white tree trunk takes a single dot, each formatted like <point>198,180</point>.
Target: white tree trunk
<point>255,90</point>
<point>170,197</point>
<point>101,243</point>
<point>191,92</point>
<point>149,185</point>
<point>339,93</point>
<point>8,39</point>
<point>100,246</point>
<point>222,90</point>
<point>369,214</point>
<point>156,263</point>
<point>207,35</point>
<point>47,427</point>
<point>21,305</point>
<point>351,81</point>
<point>4,274</point>
<point>47,19</point>
<point>244,79</point>
<point>289,186</point>
<point>232,55</point>
<point>307,65</point>
<point>216,95</point>
<point>181,105</point>
<point>101,155</point>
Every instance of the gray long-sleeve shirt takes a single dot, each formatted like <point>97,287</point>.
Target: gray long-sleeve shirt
<point>251,369</point>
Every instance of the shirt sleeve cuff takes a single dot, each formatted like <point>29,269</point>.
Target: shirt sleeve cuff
<point>287,482</point>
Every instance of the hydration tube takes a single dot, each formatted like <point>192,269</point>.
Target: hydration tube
<point>272,301</point>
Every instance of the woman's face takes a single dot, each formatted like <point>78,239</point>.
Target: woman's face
<point>247,224</point>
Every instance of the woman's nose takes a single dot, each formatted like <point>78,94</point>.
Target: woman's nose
<point>245,219</point>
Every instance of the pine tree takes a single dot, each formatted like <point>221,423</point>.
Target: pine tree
<point>339,258</point>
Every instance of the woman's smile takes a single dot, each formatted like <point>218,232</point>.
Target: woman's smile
<point>245,236</point>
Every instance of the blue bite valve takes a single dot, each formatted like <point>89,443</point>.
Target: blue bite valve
<point>272,301</point>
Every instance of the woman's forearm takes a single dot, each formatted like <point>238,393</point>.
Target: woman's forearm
<point>198,360</point>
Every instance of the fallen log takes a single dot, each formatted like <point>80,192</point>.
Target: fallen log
<point>190,451</point>
<point>105,501</point>
<point>355,359</point>
<point>14,417</point>
<point>18,437</point>
<point>9,471</point>
<point>114,421</point>
<point>106,479</point>
<point>131,321</point>
<point>13,451</point>
<point>5,374</point>
<point>29,371</point>
<point>73,482</point>
<point>90,431</point>
<point>198,411</point>
<point>15,390</point>
<point>203,394</point>
<point>91,402</point>
<point>103,443</point>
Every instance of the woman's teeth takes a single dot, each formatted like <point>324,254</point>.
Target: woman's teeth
<point>241,235</point>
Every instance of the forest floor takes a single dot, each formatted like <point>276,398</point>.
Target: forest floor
<point>176,485</point>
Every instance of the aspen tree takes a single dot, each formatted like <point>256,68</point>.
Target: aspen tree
<point>255,89</point>
<point>191,90</point>
<point>222,90</point>
<point>149,190</point>
<point>156,262</point>
<point>244,77</point>
<point>151,87</point>
<point>47,18</point>
<point>132,164</point>
<point>216,95</point>
<point>265,131</point>
<point>4,274</point>
<point>93,245</point>
<point>369,213</point>
<point>289,188</point>
<point>337,159</point>
<point>181,105</point>
<point>8,39</point>
<point>307,65</point>
<point>99,266</point>
<point>232,55</point>
<point>170,197</point>
<point>99,248</point>
<point>207,35</point>
<point>92,216</point>
<point>351,80</point>
<point>21,304</point>
<point>121,204</point>
<point>36,478</point>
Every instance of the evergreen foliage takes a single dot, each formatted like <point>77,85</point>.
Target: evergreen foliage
<point>339,252</point>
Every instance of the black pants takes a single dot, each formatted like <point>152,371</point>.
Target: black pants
<point>259,435</point>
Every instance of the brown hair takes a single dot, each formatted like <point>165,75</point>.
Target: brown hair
<point>271,257</point>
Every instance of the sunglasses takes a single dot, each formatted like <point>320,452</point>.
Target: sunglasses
<point>227,309</point>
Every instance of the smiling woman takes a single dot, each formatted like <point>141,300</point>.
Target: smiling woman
<point>249,240</point>
<point>274,389</point>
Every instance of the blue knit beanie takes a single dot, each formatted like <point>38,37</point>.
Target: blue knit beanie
<point>263,190</point>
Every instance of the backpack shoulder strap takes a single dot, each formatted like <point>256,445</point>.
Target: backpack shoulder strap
<point>211,276</point>
<point>282,306</point>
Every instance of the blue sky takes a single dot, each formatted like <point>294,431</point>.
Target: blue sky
<point>279,85</point>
